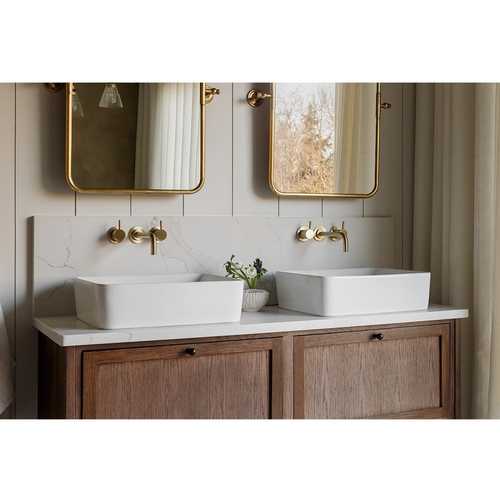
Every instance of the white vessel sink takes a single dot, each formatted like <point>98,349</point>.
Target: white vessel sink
<point>334,292</point>
<point>139,301</point>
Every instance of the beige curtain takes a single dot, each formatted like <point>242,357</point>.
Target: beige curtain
<point>457,224</point>
<point>355,106</point>
<point>168,136</point>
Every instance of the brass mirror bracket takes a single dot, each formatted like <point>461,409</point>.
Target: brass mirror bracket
<point>256,97</point>
<point>116,234</point>
<point>210,93</point>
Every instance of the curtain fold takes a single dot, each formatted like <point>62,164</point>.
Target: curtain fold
<point>457,224</point>
<point>354,137</point>
<point>168,136</point>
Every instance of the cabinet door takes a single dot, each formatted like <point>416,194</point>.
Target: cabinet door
<point>240,379</point>
<point>391,372</point>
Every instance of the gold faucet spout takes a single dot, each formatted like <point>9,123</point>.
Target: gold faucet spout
<point>334,234</point>
<point>343,234</point>
<point>155,235</point>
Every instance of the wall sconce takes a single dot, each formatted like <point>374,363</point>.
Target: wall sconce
<point>111,98</point>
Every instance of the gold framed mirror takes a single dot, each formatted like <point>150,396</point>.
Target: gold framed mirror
<point>324,139</point>
<point>136,137</point>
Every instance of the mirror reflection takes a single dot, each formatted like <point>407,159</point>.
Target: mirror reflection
<point>324,139</point>
<point>136,137</point>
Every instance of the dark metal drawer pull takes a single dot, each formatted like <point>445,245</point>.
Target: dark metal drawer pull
<point>191,351</point>
<point>377,336</point>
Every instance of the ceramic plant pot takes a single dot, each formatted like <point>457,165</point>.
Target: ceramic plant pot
<point>254,299</point>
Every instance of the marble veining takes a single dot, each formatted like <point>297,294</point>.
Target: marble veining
<point>69,331</point>
<point>67,247</point>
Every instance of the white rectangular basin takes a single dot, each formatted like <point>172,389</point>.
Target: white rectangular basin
<point>110,302</point>
<point>335,292</point>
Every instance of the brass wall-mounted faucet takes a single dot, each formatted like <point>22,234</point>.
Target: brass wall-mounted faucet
<point>307,233</point>
<point>156,234</point>
<point>116,234</point>
<point>334,234</point>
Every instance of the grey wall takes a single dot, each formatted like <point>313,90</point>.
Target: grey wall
<point>32,183</point>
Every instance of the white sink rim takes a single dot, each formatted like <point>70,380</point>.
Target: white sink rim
<point>128,301</point>
<point>354,272</point>
<point>348,291</point>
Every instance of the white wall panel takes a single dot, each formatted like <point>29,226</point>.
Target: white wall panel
<point>408,157</point>
<point>7,210</point>
<point>342,208</point>
<point>216,197</point>
<point>150,204</point>
<point>251,192</point>
<point>295,207</point>
<point>101,204</point>
<point>388,200</point>
<point>40,189</point>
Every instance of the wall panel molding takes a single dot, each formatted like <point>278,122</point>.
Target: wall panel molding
<point>7,212</point>
<point>40,189</point>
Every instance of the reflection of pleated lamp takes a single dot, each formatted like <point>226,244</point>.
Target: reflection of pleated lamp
<point>76,104</point>
<point>110,97</point>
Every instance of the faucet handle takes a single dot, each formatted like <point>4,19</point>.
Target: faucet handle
<point>159,233</point>
<point>116,234</point>
<point>305,233</point>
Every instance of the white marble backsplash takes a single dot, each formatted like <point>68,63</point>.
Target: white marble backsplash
<point>67,247</point>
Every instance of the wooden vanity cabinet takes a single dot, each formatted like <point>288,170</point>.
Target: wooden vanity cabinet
<point>393,371</point>
<point>219,379</point>
<point>403,372</point>
<point>238,379</point>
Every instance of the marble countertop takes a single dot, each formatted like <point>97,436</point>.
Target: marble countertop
<point>69,331</point>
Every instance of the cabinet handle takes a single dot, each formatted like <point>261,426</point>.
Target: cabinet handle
<point>377,336</point>
<point>191,351</point>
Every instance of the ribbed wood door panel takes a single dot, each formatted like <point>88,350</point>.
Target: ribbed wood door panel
<point>355,375</point>
<point>240,379</point>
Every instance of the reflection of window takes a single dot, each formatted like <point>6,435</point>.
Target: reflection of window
<point>324,138</point>
<point>305,134</point>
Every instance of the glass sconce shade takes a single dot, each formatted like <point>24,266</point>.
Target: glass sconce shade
<point>110,97</point>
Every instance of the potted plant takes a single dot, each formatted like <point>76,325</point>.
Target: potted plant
<point>254,299</point>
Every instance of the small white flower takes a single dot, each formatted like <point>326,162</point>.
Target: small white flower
<point>250,271</point>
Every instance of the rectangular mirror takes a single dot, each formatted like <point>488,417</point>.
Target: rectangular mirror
<point>135,137</point>
<point>324,139</point>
